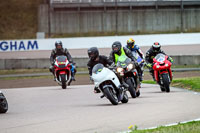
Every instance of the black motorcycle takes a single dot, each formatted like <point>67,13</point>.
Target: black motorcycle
<point>3,103</point>
<point>126,70</point>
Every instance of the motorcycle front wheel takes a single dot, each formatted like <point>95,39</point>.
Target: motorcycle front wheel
<point>131,88</point>
<point>63,81</point>
<point>162,88</point>
<point>166,82</point>
<point>112,97</point>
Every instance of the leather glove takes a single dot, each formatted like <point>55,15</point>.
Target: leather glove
<point>91,79</point>
<point>170,59</point>
<point>149,65</point>
<point>136,64</point>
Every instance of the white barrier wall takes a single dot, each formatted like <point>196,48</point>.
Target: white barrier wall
<point>100,42</point>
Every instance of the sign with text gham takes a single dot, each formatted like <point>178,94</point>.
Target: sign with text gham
<point>19,45</point>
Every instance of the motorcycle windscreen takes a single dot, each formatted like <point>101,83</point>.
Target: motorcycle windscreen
<point>61,58</point>
<point>123,61</point>
<point>61,61</point>
<point>160,57</point>
<point>97,68</point>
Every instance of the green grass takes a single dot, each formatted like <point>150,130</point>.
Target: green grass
<point>185,66</point>
<point>25,71</point>
<point>24,77</point>
<point>190,127</point>
<point>188,83</point>
<point>192,83</point>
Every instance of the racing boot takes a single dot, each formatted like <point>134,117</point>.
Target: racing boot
<point>125,84</point>
<point>140,78</point>
<point>152,74</point>
<point>96,90</point>
<point>54,77</point>
<point>51,69</point>
<point>139,70</point>
<point>73,78</point>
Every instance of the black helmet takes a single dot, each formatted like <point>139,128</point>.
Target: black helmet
<point>156,47</point>
<point>58,43</point>
<point>116,47</point>
<point>93,53</point>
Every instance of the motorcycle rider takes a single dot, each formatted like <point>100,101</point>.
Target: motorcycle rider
<point>151,53</point>
<point>135,49</point>
<point>118,50</point>
<point>95,58</point>
<point>58,51</point>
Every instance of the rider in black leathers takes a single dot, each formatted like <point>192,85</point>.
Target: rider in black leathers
<point>95,58</point>
<point>59,50</point>
<point>151,53</point>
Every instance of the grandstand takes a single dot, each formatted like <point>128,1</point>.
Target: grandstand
<point>73,5</point>
<point>119,16</point>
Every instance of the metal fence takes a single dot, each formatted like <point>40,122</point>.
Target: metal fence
<point>101,1</point>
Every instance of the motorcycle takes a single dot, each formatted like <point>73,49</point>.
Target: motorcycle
<point>108,83</point>
<point>62,71</point>
<point>140,61</point>
<point>3,103</point>
<point>126,70</point>
<point>162,71</point>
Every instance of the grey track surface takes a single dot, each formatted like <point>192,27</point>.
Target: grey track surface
<point>78,110</point>
<point>170,50</point>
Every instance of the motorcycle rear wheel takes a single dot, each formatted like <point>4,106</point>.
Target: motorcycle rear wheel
<point>125,98</point>
<point>138,93</point>
<point>162,88</point>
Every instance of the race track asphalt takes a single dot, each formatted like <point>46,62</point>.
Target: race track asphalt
<point>78,110</point>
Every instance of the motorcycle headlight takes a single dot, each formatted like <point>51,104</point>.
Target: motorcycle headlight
<point>166,65</point>
<point>130,67</point>
<point>119,69</point>
<point>157,66</point>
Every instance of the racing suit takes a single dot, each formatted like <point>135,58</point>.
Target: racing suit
<point>150,54</point>
<point>101,59</point>
<point>137,51</point>
<point>128,53</point>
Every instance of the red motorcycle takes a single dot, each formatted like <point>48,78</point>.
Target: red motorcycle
<point>162,71</point>
<point>62,71</point>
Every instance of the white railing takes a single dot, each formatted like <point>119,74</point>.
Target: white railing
<point>100,1</point>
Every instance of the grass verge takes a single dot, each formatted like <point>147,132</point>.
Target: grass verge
<point>26,71</point>
<point>190,127</point>
<point>192,83</point>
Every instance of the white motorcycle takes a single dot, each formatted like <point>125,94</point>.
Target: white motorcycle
<point>108,83</point>
<point>3,103</point>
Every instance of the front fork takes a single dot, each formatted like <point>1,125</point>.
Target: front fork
<point>160,80</point>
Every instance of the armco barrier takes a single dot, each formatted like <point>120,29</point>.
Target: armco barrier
<point>81,62</point>
<point>34,63</point>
